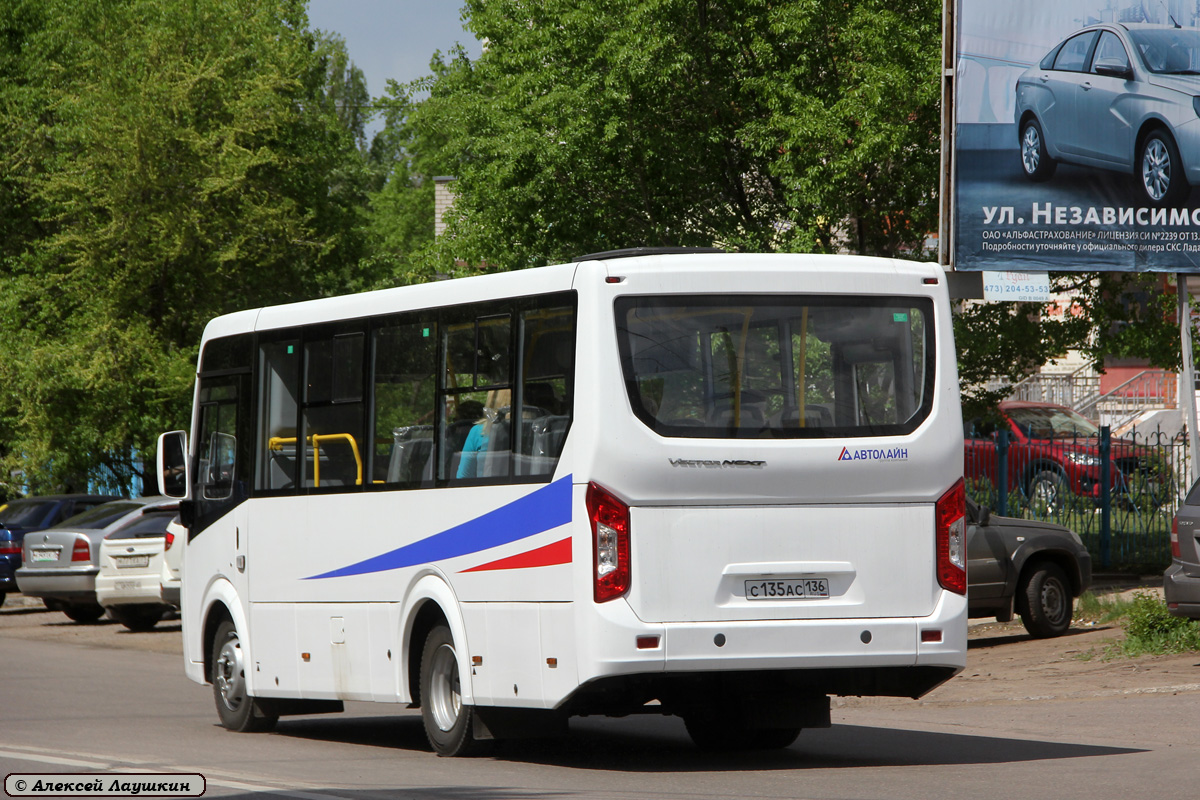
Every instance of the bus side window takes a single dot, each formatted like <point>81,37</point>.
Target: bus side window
<point>547,381</point>
<point>333,412</point>
<point>404,361</point>
<point>475,433</point>
<point>280,369</point>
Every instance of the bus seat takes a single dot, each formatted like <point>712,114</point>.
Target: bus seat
<point>548,435</point>
<point>410,460</point>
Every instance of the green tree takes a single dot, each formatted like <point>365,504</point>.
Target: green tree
<point>750,124</point>
<point>163,162</point>
<point>1113,314</point>
<point>401,209</point>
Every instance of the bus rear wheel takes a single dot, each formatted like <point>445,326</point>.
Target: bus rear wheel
<point>237,709</point>
<point>449,723</point>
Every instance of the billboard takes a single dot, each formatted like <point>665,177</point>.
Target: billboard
<point>1076,135</point>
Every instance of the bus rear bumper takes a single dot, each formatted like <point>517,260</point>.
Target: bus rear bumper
<point>902,657</point>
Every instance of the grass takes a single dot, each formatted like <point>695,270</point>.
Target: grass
<point>1149,627</point>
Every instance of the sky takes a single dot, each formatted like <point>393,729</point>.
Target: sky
<point>393,38</point>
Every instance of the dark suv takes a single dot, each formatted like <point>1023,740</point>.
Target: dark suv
<point>19,517</point>
<point>1181,581</point>
<point>1032,568</point>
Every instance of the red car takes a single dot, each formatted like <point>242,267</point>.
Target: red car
<point>1053,451</point>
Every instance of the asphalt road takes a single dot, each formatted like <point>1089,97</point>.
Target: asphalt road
<point>1020,722</point>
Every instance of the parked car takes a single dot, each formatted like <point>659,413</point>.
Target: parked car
<point>1029,567</point>
<point>28,514</point>
<point>1119,97</point>
<point>1181,581</point>
<point>61,563</point>
<point>129,585</point>
<point>1055,451</point>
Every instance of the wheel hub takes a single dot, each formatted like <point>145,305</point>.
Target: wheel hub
<point>1031,151</point>
<point>1053,600</point>
<point>445,695</point>
<point>1156,170</point>
<point>230,675</point>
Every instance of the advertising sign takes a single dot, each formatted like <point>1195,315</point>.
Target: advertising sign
<point>1021,287</point>
<point>1077,135</point>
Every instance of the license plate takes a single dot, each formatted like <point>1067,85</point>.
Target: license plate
<point>124,562</point>
<point>786,588</point>
<point>43,555</point>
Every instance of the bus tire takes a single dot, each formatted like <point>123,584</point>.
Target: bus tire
<point>1044,601</point>
<point>237,710</point>
<point>449,723</point>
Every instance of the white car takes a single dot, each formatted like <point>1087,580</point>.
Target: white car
<point>135,584</point>
<point>61,563</point>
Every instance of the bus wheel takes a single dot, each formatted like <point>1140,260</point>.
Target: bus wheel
<point>448,722</point>
<point>238,710</point>
<point>713,733</point>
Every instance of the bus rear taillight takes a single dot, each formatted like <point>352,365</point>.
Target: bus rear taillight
<point>951,516</point>
<point>610,543</point>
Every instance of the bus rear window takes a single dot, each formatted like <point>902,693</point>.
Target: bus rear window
<point>777,367</point>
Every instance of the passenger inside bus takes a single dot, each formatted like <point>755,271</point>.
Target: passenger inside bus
<point>498,402</point>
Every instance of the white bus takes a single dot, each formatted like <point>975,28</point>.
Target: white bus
<point>713,485</point>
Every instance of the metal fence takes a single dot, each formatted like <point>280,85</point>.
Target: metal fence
<point>1119,495</point>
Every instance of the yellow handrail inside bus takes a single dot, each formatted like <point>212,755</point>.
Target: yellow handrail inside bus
<point>277,443</point>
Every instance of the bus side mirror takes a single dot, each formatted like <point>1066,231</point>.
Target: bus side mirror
<point>173,477</point>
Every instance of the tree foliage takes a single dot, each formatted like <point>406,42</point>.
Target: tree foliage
<point>162,162</point>
<point>753,125</point>
<point>1122,315</point>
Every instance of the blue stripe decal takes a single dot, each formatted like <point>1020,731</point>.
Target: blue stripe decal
<point>536,512</point>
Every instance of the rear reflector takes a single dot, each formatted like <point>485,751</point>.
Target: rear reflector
<point>81,551</point>
<point>931,636</point>
<point>610,543</point>
<point>647,642</point>
<point>951,536</point>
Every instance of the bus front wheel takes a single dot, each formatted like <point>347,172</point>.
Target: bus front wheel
<point>236,708</point>
<point>449,723</point>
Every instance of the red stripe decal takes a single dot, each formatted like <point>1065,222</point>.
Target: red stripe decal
<point>548,556</point>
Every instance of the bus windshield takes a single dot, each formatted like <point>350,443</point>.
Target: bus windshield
<point>764,367</point>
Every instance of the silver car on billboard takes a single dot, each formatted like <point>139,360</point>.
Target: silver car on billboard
<point>1123,97</point>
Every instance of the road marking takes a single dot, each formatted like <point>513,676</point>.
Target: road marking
<point>57,760</point>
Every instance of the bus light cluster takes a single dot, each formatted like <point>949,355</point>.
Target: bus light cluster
<point>610,544</point>
<point>951,516</point>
